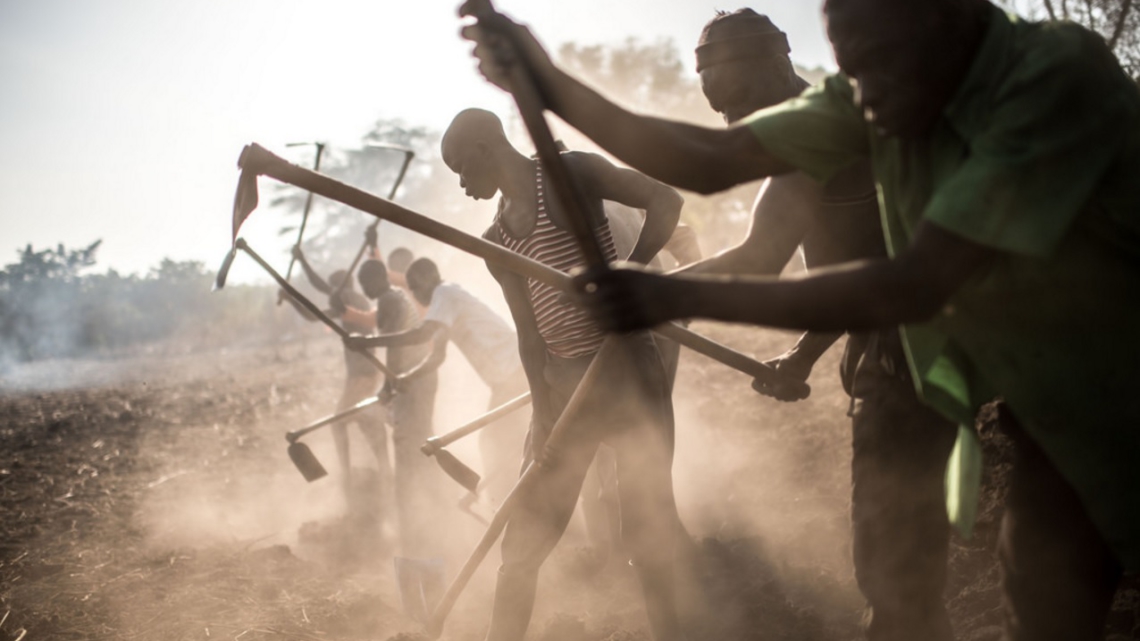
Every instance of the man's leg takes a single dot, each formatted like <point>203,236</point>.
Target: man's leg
<point>501,443</point>
<point>541,516</point>
<point>536,525</point>
<point>901,531</point>
<point>1058,575</point>
<point>340,440</point>
<point>601,508</point>
<point>641,432</point>
<point>418,487</point>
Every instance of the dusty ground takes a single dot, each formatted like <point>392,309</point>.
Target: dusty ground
<point>152,499</point>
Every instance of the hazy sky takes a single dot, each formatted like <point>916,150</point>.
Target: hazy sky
<point>122,119</point>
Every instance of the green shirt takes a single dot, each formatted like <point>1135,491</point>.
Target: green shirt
<point>1038,157</point>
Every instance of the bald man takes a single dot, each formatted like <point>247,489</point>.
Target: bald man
<point>628,407</point>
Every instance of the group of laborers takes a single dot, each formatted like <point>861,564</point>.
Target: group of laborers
<point>1005,156</point>
<point>966,193</point>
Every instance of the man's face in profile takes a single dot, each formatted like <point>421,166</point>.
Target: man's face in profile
<point>474,166</point>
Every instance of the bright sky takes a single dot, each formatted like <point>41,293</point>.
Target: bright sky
<point>123,119</point>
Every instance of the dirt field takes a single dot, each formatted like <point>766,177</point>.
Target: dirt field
<point>152,499</point>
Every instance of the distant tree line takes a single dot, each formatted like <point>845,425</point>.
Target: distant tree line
<point>50,308</point>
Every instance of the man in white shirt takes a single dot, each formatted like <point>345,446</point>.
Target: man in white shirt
<point>487,342</point>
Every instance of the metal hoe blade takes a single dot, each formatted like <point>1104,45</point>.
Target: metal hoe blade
<point>245,198</point>
<point>306,462</point>
<point>224,270</point>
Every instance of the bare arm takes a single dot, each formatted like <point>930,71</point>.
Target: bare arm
<point>696,158</point>
<point>359,317</point>
<point>532,348</point>
<point>862,295</point>
<point>315,279</point>
<point>662,204</point>
<point>433,360</point>
<point>784,212</point>
<point>422,333</point>
<point>798,361</point>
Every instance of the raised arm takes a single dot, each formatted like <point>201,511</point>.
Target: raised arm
<point>662,205</point>
<point>315,279</point>
<point>699,159</point>
<point>358,317</point>
<point>863,295</point>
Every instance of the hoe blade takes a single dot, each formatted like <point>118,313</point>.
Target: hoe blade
<point>455,468</point>
<point>245,198</point>
<point>224,270</point>
<point>306,462</point>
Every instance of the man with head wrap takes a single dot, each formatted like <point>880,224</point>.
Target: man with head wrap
<point>901,533</point>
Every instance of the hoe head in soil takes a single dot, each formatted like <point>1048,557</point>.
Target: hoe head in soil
<point>306,461</point>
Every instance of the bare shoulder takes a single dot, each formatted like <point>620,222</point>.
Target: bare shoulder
<point>586,164</point>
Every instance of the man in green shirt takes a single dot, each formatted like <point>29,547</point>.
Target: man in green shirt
<point>899,445</point>
<point>1006,155</point>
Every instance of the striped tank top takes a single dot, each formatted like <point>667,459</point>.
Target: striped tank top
<point>566,329</point>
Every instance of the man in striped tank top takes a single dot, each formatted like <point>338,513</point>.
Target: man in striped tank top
<point>557,342</point>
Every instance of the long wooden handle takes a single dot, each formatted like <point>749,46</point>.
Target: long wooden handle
<point>305,214</point>
<point>526,481</point>
<point>436,443</point>
<point>319,423</point>
<point>408,155</point>
<point>258,160</point>
<point>532,109</point>
<point>308,304</point>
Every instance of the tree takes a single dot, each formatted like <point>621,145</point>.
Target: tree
<point>1117,21</point>
<point>50,308</point>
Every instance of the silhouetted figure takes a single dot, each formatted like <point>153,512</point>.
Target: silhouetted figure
<point>490,346</point>
<point>1005,154</point>
<point>362,379</point>
<point>628,408</point>
<point>418,487</point>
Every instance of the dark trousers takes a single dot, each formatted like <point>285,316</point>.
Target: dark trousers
<point>629,409</point>
<point>901,532</point>
<point>1058,574</point>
